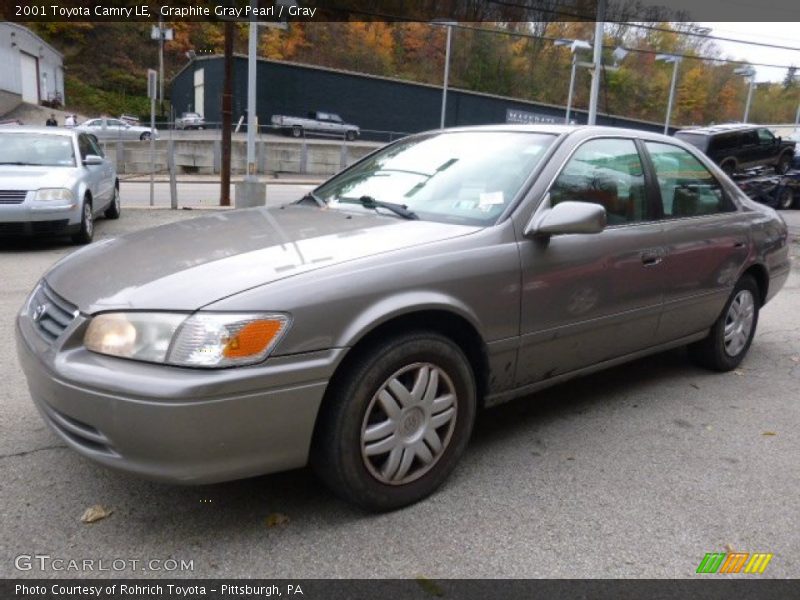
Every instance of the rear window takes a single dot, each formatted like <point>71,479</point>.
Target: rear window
<point>698,140</point>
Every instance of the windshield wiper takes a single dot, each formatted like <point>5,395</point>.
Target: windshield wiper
<point>313,197</point>
<point>370,202</point>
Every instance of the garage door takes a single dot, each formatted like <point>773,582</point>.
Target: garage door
<point>30,82</point>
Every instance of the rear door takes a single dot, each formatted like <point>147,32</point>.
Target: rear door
<point>593,297</point>
<point>706,241</point>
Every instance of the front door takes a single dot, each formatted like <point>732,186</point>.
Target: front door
<point>588,298</point>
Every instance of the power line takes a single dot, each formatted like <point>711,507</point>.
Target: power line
<point>629,49</point>
<point>708,36</point>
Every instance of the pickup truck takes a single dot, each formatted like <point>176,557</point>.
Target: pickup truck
<point>321,123</point>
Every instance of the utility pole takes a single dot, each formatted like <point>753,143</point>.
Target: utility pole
<point>160,67</point>
<point>598,60</point>
<point>446,74</point>
<point>227,118</point>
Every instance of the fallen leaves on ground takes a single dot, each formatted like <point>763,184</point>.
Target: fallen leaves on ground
<point>98,512</point>
<point>276,519</point>
<point>429,586</point>
<point>729,548</point>
<point>739,372</point>
<point>769,433</point>
<point>695,386</point>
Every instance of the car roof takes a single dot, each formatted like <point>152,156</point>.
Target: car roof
<point>584,130</point>
<point>717,129</point>
<point>47,130</point>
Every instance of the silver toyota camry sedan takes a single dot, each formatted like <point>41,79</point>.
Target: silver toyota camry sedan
<point>54,182</point>
<point>361,328</point>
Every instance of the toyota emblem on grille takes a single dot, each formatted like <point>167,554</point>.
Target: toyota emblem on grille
<point>38,312</point>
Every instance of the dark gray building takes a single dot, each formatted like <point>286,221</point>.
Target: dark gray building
<point>376,104</point>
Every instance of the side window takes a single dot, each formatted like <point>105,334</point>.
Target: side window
<point>688,189</point>
<point>607,172</point>
<point>765,136</point>
<point>84,145</point>
<point>95,146</point>
<point>750,138</point>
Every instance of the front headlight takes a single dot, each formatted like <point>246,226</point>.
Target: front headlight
<point>54,194</point>
<point>201,340</point>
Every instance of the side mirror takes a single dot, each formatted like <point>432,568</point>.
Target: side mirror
<point>92,159</point>
<point>568,217</point>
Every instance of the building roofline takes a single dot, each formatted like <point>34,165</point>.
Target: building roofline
<point>37,36</point>
<point>409,82</point>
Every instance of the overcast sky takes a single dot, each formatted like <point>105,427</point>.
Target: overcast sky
<point>783,34</point>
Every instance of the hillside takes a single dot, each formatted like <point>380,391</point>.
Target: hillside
<point>106,64</point>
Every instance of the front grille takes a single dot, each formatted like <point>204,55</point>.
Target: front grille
<point>50,313</point>
<point>12,196</point>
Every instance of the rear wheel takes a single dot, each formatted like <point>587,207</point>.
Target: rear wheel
<point>731,336</point>
<point>785,198</point>
<point>350,136</point>
<point>297,131</point>
<point>393,428</point>
<point>783,163</point>
<point>729,167</point>
<point>86,232</point>
<point>145,136</point>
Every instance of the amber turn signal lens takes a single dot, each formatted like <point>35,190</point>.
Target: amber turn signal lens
<point>252,339</point>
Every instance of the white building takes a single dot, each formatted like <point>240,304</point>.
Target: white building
<point>31,70</point>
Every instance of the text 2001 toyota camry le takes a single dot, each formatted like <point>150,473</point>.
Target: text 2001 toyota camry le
<point>360,328</point>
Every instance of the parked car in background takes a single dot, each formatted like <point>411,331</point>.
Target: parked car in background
<point>54,182</point>
<point>106,129</point>
<point>736,147</point>
<point>321,123</point>
<point>361,328</point>
<point>190,120</point>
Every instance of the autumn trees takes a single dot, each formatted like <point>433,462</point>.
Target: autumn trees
<point>515,59</point>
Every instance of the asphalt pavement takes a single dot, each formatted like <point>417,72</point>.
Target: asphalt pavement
<point>638,471</point>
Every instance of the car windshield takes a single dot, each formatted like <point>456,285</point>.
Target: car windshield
<point>464,177</point>
<point>36,149</point>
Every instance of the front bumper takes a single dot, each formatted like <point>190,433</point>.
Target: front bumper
<point>31,217</point>
<point>175,424</point>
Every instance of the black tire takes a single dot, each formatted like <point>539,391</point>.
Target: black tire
<point>86,232</point>
<point>114,209</point>
<point>783,163</point>
<point>297,131</point>
<point>785,199</point>
<point>729,167</point>
<point>337,454</point>
<point>712,352</point>
<point>145,136</point>
<point>350,135</point>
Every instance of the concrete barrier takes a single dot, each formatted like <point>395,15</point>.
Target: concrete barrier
<point>303,157</point>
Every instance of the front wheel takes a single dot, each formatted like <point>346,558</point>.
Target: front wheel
<point>393,428</point>
<point>730,337</point>
<point>114,209</point>
<point>86,231</point>
<point>145,137</point>
<point>297,131</point>
<point>350,136</point>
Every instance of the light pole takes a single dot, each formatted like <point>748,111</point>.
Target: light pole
<point>162,34</point>
<point>747,72</point>
<point>449,25</point>
<point>575,46</point>
<point>675,60</point>
<point>599,27</point>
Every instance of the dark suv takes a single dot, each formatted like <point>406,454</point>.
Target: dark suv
<point>736,147</point>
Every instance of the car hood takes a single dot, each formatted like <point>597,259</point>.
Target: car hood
<point>189,264</point>
<point>14,177</point>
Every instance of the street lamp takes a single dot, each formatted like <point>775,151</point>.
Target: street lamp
<point>675,60</point>
<point>575,46</point>
<point>449,25</point>
<point>751,73</point>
